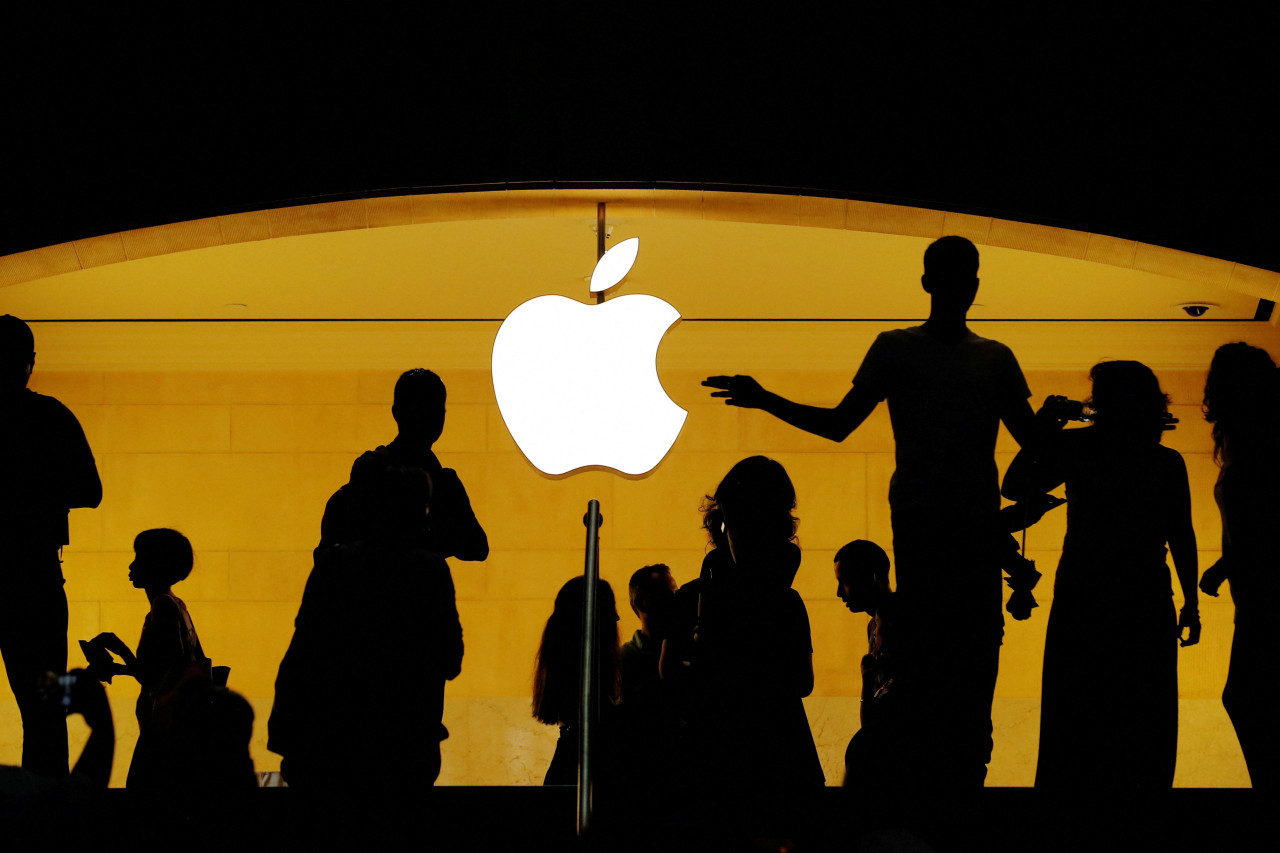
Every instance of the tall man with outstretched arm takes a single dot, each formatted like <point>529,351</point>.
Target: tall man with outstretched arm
<point>46,469</point>
<point>948,390</point>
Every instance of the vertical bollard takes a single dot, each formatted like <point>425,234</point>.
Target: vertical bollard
<point>588,698</point>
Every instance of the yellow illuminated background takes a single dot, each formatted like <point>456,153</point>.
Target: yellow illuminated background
<point>282,333</point>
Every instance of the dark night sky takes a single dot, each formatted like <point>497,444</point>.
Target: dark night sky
<point>1156,129</point>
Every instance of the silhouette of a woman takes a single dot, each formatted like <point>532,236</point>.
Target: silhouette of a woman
<point>557,679</point>
<point>744,650</point>
<point>1242,401</point>
<point>1109,706</point>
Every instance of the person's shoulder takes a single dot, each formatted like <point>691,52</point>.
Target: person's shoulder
<point>987,345</point>
<point>631,648</point>
<point>691,589</point>
<point>900,337</point>
<point>791,599</point>
<point>168,606</point>
<point>44,405</point>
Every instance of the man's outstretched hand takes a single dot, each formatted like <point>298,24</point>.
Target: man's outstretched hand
<point>737,390</point>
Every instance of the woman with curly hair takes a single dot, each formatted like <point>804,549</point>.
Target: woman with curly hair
<point>742,647</point>
<point>1242,401</point>
<point>1109,702</point>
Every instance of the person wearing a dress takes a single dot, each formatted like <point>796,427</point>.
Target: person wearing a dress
<point>1109,705</point>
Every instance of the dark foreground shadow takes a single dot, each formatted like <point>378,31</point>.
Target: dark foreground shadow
<point>542,818</point>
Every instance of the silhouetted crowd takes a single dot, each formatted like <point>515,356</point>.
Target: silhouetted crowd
<point>706,697</point>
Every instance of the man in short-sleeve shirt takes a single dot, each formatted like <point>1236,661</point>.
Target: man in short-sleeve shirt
<point>948,390</point>
<point>945,402</point>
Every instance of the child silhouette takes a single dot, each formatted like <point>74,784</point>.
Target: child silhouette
<point>169,651</point>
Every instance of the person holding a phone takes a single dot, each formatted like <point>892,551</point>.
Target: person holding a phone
<point>30,804</point>
<point>1109,703</point>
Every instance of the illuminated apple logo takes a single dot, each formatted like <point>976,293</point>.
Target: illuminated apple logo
<point>577,384</point>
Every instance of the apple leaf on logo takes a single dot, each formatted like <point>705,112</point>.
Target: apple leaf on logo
<point>614,266</point>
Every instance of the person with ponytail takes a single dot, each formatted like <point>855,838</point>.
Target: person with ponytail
<point>1242,401</point>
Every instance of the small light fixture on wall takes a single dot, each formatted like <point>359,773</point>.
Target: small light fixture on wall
<point>1196,309</point>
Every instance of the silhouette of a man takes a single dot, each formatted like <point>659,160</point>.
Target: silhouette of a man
<point>948,390</point>
<point>46,468</point>
<point>451,530</point>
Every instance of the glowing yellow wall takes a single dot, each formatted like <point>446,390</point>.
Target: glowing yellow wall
<point>243,461</point>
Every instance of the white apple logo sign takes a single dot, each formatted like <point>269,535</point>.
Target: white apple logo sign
<point>577,384</point>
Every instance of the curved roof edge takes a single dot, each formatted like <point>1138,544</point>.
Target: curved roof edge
<point>513,202</point>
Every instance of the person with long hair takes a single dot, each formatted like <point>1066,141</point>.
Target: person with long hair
<point>1109,704</point>
<point>742,645</point>
<point>1242,401</point>
<point>557,677</point>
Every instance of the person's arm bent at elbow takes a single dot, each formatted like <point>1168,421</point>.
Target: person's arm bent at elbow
<point>1036,469</point>
<point>804,679</point>
<point>1182,547</point>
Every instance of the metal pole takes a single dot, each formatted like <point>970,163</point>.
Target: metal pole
<point>599,242</point>
<point>587,710</point>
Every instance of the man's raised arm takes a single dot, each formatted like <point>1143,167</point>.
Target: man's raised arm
<point>1022,424</point>
<point>835,423</point>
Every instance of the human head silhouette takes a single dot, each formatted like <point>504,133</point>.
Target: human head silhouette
<point>950,275</point>
<point>162,557</point>
<point>17,354</point>
<point>418,405</point>
<point>755,503</point>
<point>1242,399</point>
<point>1127,399</point>
<point>652,592</point>
<point>757,491</point>
<point>862,575</point>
